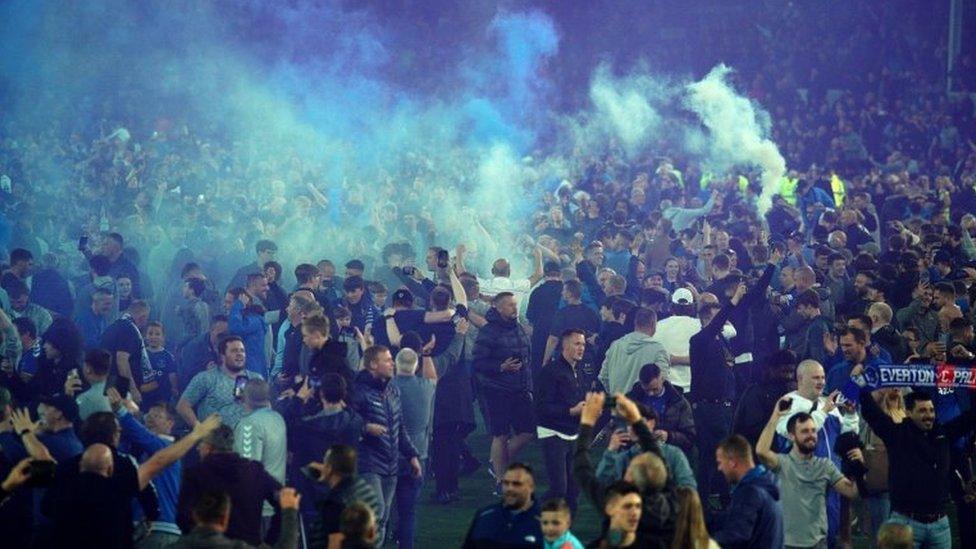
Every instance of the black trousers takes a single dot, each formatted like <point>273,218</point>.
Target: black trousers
<point>713,421</point>
<point>447,445</point>
<point>558,456</point>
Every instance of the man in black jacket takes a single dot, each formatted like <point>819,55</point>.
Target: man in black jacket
<point>918,462</point>
<point>328,355</point>
<point>244,480</point>
<point>501,360</point>
<point>543,302</point>
<point>385,437</point>
<point>338,473</point>
<point>779,378</point>
<point>675,423</point>
<point>559,403</point>
<point>311,435</point>
<point>713,381</point>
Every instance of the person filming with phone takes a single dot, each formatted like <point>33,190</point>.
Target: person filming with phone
<point>830,417</point>
<point>219,389</point>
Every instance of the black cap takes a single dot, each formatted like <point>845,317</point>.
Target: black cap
<point>65,404</point>
<point>403,296</point>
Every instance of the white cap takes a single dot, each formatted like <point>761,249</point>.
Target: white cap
<point>682,296</point>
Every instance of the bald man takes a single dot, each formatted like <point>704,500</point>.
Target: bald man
<point>808,397</point>
<point>97,459</point>
<point>92,509</point>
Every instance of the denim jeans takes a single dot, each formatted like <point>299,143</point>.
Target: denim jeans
<point>879,506</point>
<point>558,455</point>
<point>407,493</point>
<point>933,535</point>
<point>385,488</point>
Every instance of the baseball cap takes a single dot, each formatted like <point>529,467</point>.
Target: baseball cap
<point>402,295</point>
<point>65,404</point>
<point>682,296</point>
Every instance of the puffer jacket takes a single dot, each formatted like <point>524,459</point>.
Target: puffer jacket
<point>378,401</point>
<point>498,340</point>
<point>678,420</point>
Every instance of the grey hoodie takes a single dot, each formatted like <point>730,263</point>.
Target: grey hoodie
<point>625,358</point>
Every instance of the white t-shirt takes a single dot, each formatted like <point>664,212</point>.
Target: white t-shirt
<point>498,284</point>
<point>674,333</point>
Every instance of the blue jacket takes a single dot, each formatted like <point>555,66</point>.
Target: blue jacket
<point>144,444</point>
<point>252,329</point>
<point>840,373</point>
<point>378,401</point>
<point>757,517</point>
<point>495,526</point>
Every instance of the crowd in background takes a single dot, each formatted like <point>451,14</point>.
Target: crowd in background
<point>301,333</point>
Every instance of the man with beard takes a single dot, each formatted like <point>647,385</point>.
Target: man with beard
<point>803,477</point>
<point>512,522</point>
<point>919,462</point>
<point>218,389</point>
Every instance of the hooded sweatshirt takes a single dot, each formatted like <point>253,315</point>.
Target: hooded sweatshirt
<point>625,358</point>
<point>757,517</point>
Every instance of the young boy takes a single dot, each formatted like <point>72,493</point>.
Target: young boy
<point>378,291</point>
<point>346,334</point>
<point>556,520</point>
<point>159,378</point>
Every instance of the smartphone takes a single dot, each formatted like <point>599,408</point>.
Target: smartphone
<point>122,385</point>
<point>83,243</point>
<point>628,441</point>
<point>41,473</point>
<point>119,383</point>
<point>443,258</point>
<point>310,473</point>
<point>610,403</point>
<point>239,383</point>
<point>785,404</point>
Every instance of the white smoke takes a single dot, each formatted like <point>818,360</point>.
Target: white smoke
<point>737,130</point>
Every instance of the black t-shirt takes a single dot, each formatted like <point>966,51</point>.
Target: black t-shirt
<point>579,317</point>
<point>122,335</point>
<point>411,320</point>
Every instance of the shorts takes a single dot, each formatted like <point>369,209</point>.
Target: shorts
<point>509,412</point>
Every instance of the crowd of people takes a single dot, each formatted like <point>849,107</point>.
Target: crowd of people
<point>237,353</point>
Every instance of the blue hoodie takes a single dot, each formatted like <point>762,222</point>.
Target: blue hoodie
<point>756,519</point>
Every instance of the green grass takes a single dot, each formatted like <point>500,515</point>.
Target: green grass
<point>444,526</point>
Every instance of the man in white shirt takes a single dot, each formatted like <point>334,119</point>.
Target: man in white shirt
<point>674,333</point>
<point>501,278</point>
